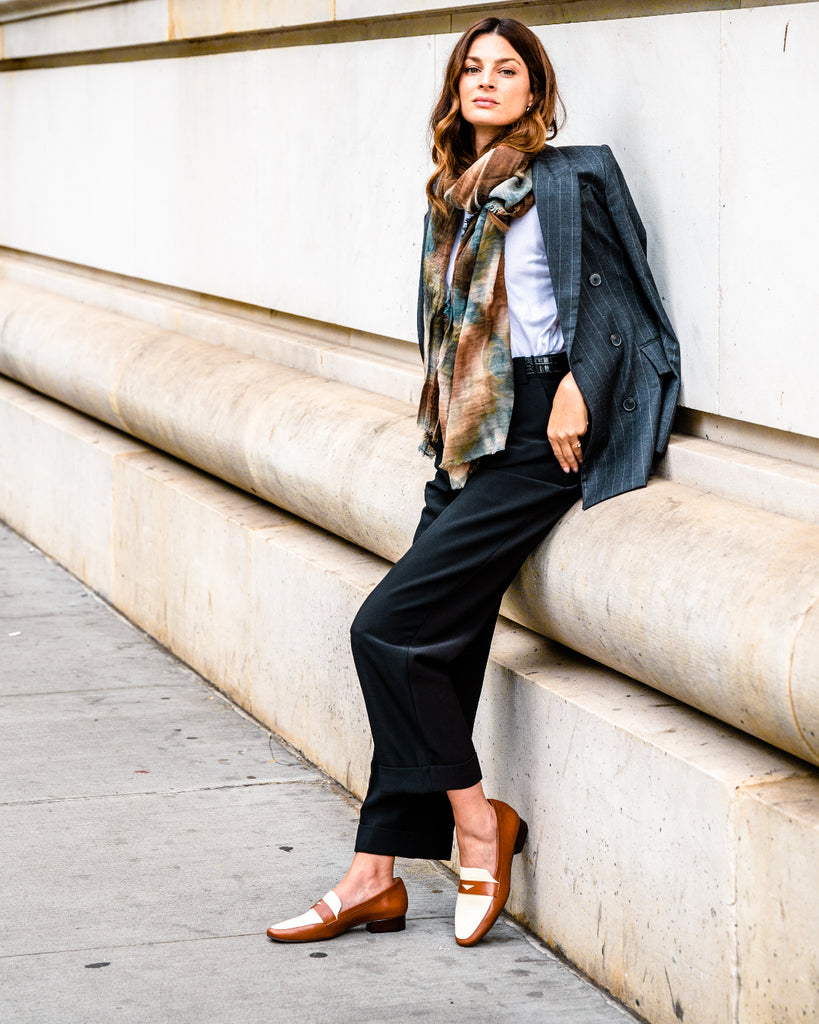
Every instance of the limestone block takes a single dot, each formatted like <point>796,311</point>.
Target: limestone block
<point>183,565</point>
<point>348,9</point>
<point>778,902</point>
<point>89,28</point>
<point>307,587</point>
<point>767,292</point>
<point>757,480</point>
<point>632,803</point>
<point>290,437</point>
<point>83,373</point>
<point>719,603</point>
<point>193,18</point>
<point>388,368</point>
<point>56,481</point>
<point>700,597</point>
<point>664,126</point>
<point>687,143</point>
<point>193,154</point>
<point>651,825</point>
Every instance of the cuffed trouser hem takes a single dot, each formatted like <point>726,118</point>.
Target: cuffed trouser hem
<point>429,778</point>
<point>407,812</point>
<point>390,843</point>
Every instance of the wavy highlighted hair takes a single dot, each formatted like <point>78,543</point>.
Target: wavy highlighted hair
<point>453,144</point>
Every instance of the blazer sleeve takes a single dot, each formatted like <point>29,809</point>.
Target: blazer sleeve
<point>633,236</point>
<point>615,177</point>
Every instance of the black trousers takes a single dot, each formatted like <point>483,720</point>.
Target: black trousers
<point>421,639</point>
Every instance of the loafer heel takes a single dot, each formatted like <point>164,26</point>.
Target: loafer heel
<point>523,832</point>
<point>391,924</point>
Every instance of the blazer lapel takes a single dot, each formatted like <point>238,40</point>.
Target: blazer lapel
<point>557,198</point>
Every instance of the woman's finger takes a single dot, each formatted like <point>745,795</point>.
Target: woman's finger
<point>567,455</point>
<point>573,455</point>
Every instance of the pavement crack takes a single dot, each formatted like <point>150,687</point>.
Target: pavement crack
<point>161,792</point>
<point>129,945</point>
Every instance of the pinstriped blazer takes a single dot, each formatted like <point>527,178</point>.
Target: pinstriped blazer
<point>622,348</point>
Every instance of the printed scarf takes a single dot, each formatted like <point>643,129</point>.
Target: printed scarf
<point>468,391</point>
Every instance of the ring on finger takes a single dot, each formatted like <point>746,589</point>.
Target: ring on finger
<point>577,444</point>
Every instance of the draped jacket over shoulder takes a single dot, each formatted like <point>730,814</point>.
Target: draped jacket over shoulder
<point>622,348</point>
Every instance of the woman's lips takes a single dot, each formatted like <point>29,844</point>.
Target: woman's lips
<point>483,101</point>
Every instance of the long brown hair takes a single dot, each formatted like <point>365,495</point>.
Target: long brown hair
<point>453,145</point>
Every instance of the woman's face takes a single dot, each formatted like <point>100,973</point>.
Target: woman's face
<point>493,88</point>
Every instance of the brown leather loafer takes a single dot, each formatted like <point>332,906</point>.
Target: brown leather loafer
<point>384,912</point>
<point>481,897</point>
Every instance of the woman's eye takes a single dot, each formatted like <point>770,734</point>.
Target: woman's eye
<point>472,70</point>
<point>507,71</point>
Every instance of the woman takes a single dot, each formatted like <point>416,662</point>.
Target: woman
<point>551,372</point>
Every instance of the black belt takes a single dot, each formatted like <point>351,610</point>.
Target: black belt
<point>539,366</point>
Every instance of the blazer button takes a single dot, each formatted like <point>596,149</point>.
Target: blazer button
<point>595,280</point>
<point>616,340</point>
<point>629,405</point>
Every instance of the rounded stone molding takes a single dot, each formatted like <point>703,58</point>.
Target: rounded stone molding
<point>707,600</point>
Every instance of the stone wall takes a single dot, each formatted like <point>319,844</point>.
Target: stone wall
<point>261,174</point>
<point>209,228</point>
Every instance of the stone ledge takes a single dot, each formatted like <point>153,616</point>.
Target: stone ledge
<point>658,836</point>
<point>759,481</point>
<point>391,368</point>
<point>704,599</point>
<point>90,30</point>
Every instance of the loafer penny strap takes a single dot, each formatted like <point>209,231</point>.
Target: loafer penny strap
<point>328,907</point>
<point>324,912</point>
<point>479,888</point>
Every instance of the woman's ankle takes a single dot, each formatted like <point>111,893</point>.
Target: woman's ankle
<point>477,839</point>
<point>480,823</point>
<point>373,867</point>
<point>368,875</point>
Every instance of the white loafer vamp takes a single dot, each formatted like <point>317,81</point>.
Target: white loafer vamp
<point>312,916</point>
<point>470,909</point>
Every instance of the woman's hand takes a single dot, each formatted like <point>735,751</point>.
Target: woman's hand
<point>567,424</point>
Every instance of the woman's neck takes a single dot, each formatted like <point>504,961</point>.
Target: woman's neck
<point>484,137</point>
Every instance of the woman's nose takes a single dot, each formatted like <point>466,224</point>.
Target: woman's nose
<point>487,82</point>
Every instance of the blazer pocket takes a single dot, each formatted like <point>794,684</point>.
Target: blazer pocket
<point>654,353</point>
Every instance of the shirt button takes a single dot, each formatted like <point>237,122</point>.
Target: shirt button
<point>616,340</point>
<point>629,405</point>
<point>595,280</point>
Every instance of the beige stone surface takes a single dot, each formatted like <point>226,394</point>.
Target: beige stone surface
<point>760,481</point>
<point>778,902</point>
<point>632,803</point>
<point>182,564</point>
<point>193,154</point>
<point>95,27</point>
<point>192,18</point>
<point>651,825</point>
<point>688,144</point>
<point>700,597</point>
<point>654,97</point>
<point>776,477</point>
<point>85,349</point>
<point>307,586</point>
<point>767,294</point>
<point>56,485</point>
<point>384,366</point>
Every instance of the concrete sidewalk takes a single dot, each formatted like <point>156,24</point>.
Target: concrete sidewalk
<point>149,833</point>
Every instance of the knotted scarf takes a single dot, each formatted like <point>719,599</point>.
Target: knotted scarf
<point>468,391</point>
